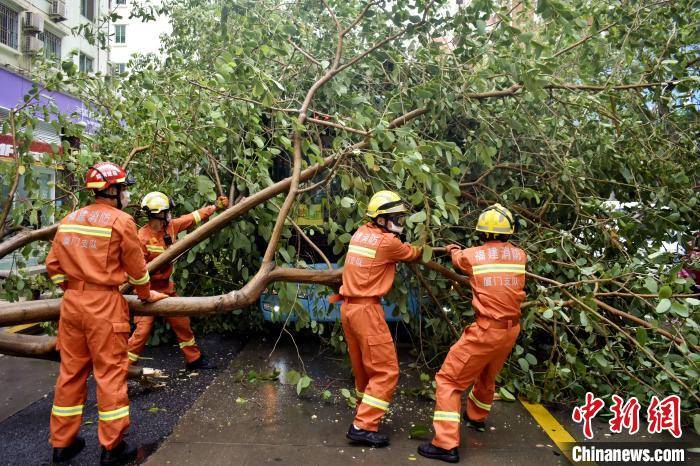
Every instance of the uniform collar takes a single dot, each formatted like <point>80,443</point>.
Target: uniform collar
<point>104,202</point>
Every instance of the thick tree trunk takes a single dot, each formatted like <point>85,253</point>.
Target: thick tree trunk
<point>45,310</point>
<point>42,347</point>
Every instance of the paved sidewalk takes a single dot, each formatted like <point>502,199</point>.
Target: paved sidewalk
<point>266,422</point>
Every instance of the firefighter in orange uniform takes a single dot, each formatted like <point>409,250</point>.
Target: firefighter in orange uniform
<point>368,274</point>
<point>496,271</point>
<point>95,250</point>
<point>155,237</point>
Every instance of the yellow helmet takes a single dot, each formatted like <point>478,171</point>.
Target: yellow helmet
<point>385,202</point>
<point>497,220</point>
<point>156,202</point>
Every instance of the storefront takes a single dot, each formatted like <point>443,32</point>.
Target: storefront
<point>47,140</point>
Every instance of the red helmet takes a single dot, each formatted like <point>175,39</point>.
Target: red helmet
<point>106,174</point>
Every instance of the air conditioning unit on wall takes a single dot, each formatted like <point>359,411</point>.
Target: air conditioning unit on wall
<point>58,10</point>
<point>32,45</point>
<point>33,22</point>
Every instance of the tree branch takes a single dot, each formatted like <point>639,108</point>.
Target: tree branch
<point>133,152</point>
<point>584,40</point>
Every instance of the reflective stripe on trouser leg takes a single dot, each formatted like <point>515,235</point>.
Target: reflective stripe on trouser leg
<point>446,416</point>
<point>188,345</point>
<point>71,389</point>
<point>484,406</point>
<point>138,339</point>
<point>377,357</point>
<point>114,414</point>
<point>375,402</point>
<point>65,411</point>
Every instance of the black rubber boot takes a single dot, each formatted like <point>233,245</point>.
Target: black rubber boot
<point>65,454</point>
<point>365,437</point>
<point>122,453</point>
<point>479,426</point>
<point>436,453</point>
<point>199,364</point>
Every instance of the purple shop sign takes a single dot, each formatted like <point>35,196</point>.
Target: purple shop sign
<point>14,87</point>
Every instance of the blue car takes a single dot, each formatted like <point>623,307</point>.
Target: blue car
<point>315,299</point>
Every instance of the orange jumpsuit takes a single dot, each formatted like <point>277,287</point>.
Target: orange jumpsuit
<point>95,249</point>
<point>370,266</point>
<point>153,245</point>
<point>496,273</point>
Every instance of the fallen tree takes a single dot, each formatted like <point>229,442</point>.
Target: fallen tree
<point>579,123</point>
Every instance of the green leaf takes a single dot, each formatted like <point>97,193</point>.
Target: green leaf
<point>427,253</point>
<point>548,313</point>
<point>651,285</point>
<point>583,318</point>
<point>642,335</point>
<point>418,431</point>
<point>418,217</point>
<point>693,301</point>
<point>524,365</point>
<point>665,292</point>
<point>292,377</point>
<point>663,306</point>
<point>205,186</point>
<point>600,359</point>
<point>347,202</point>
<point>303,384</point>
<point>326,395</point>
<point>505,394</point>
<point>696,423</point>
<point>679,309</point>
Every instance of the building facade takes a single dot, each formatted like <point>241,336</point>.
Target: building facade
<point>28,28</point>
<point>132,36</point>
<point>44,27</point>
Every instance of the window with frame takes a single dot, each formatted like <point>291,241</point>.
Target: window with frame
<point>85,64</point>
<point>52,46</point>
<point>120,34</point>
<point>121,68</point>
<point>87,9</point>
<point>9,26</point>
<point>121,2</point>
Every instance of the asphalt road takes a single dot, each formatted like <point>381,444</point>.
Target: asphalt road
<point>154,412</point>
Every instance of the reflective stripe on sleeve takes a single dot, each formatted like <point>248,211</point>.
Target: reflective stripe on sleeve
<point>197,217</point>
<point>65,411</point>
<point>498,268</point>
<point>187,343</point>
<point>114,414</point>
<point>86,230</point>
<point>481,405</point>
<point>58,278</point>
<point>153,248</point>
<point>132,357</point>
<point>447,416</point>
<point>141,281</point>
<point>362,251</point>
<point>375,402</point>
